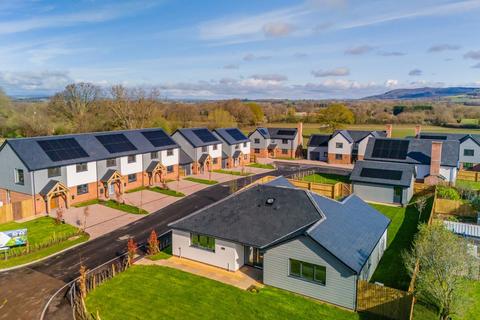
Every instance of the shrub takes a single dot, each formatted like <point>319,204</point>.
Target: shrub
<point>448,193</point>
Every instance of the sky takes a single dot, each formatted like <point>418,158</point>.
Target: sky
<point>313,49</point>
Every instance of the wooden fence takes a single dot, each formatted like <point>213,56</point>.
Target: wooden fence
<point>17,210</point>
<point>454,207</point>
<point>468,175</point>
<point>377,301</point>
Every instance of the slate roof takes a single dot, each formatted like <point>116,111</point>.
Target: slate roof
<point>318,140</point>
<point>193,139</point>
<point>355,136</point>
<point>34,158</point>
<point>349,230</point>
<point>236,154</point>
<point>461,137</point>
<point>152,166</point>
<point>184,158</point>
<point>203,157</point>
<point>274,133</point>
<point>108,175</point>
<point>407,170</point>
<point>48,187</point>
<point>271,146</point>
<point>225,136</point>
<point>224,155</point>
<point>419,151</point>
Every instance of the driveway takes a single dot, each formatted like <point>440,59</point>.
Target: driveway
<point>149,200</point>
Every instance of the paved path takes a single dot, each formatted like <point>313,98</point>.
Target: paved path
<point>31,295</point>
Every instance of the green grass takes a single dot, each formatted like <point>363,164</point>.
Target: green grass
<point>86,203</point>
<point>261,166</point>
<point>326,178</point>
<point>469,121</point>
<point>168,192</point>
<point>234,173</point>
<point>162,255</point>
<point>391,270</point>
<point>204,181</point>
<point>154,292</point>
<point>475,185</point>
<point>136,189</point>
<point>123,207</point>
<point>41,231</point>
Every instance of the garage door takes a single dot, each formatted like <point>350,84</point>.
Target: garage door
<point>314,155</point>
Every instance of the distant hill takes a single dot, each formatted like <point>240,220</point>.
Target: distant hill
<point>428,93</point>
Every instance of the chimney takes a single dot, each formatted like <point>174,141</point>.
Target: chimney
<point>418,130</point>
<point>300,133</point>
<point>388,128</point>
<point>435,158</point>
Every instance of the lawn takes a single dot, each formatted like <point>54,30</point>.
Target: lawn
<point>41,231</point>
<point>326,178</point>
<point>404,221</point>
<point>234,173</point>
<point>123,207</point>
<point>204,181</point>
<point>156,292</point>
<point>86,203</point>
<point>162,255</point>
<point>474,185</point>
<point>261,166</point>
<point>136,189</point>
<point>168,192</point>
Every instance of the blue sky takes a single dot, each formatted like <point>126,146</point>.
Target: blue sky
<point>245,49</point>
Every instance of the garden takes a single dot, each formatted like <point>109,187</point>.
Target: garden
<point>326,178</point>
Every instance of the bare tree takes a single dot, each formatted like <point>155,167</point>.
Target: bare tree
<point>420,204</point>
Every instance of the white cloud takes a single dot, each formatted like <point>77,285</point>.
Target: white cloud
<point>358,50</point>
<point>391,83</point>
<point>337,72</point>
<point>269,77</point>
<point>49,81</point>
<point>443,47</point>
<point>277,29</point>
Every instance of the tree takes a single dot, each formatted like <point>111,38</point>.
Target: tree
<point>336,115</point>
<point>220,118</point>
<point>443,264</point>
<point>131,251</point>
<point>153,243</point>
<point>257,112</point>
<point>420,204</point>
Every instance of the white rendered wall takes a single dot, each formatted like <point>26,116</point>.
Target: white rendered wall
<point>75,178</point>
<point>129,168</point>
<point>346,148</point>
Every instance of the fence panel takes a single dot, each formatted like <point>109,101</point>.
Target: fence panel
<point>454,207</point>
<point>468,175</point>
<point>16,211</point>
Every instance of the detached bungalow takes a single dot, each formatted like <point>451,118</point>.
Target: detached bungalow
<point>202,146</point>
<point>235,146</point>
<point>276,142</point>
<point>303,242</point>
<point>387,182</point>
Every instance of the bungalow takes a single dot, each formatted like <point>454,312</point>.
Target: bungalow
<point>317,147</point>
<point>202,146</point>
<point>469,153</point>
<point>387,182</point>
<point>235,146</point>
<point>57,171</point>
<point>434,161</point>
<point>348,146</point>
<point>276,142</point>
<point>303,242</point>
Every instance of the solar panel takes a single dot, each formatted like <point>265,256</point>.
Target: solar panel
<point>390,149</point>
<point>432,137</point>
<point>116,143</point>
<point>263,131</point>
<point>62,149</point>
<point>286,132</point>
<point>381,174</point>
<point>236,134</point>
<point>158,138</point>
<point>204,135</point>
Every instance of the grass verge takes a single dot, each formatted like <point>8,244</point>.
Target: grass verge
<point>123,207</point>
<point>174,294</point>
<point>261,166</point>
<point>136,189</point>
<point>86,203</point>
<point>168,192</point>
<point>162,255</point>
<point>233,173</point>
<point>204,181</point>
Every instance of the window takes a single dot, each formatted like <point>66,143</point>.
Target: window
<point>203,242</point>
<point>256,150</point>
<point>19,177</point>
<point>308,271</point>
<point>215,160</point>
<point>468,152</point>
<point>244,144</point>
<point>215,147</point>
<point>284,151</point>
<point>237,147</point>
<point>338,156</point>
<point>82,167</point>
<point>284,141</point>
<point>82,189</point>
<point>154,155</point>
<point>339,145</point>
<point>169,152</point>
<point>54,172</point>
<point>132,178</point>
<point>111,163</point>
<point>132,159</point>
<point>204,149</point>
<point>256,140</point>
<point>169,169</point>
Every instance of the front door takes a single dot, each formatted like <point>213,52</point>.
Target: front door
<point>111,189</point>
<point>253,257</point>
<point>397,194</point>
<point>54,203</point>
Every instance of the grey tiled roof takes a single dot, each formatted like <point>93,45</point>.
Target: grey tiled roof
<point>419,151</point>
<point>151,166</point>
<point>108,175</point>
<point>408,171</point>
<point>271,146</point>
<point>236,154</point>
<point>193,139</point>
<point>274,133</point>
<point>449,136</point>
<point>319,140</point>
<point>203,157</point>
<point>34,158</point>
<point>358,135</point>
<point>48,187</point>
<point>224,135</point>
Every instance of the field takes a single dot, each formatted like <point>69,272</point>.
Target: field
<point>156,292</point>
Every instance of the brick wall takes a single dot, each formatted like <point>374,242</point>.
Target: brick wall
<point>90,195</point>
<point>346,159</point>
<point>134,184</point>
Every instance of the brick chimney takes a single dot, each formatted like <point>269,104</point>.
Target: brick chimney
<point>435,160</point>
<point>300,133</point>
<point>388,128</point>
<point>418,130</point>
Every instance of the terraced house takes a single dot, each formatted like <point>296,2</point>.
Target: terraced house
<point>202,146</point>
<point>235,147</point>
<point>58,171</point>
<point>277,142</point>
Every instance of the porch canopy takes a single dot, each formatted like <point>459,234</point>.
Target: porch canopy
<point>52,189</point>
<point>156,168</point>
<point>112,176</point>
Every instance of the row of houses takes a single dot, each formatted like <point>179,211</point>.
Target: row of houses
<point>57,171</point>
